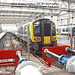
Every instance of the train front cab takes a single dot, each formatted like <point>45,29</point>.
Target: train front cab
<point>43,33</point>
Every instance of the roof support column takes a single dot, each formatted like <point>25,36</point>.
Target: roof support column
<point>51,16</point>
<point>73,16</point>
<point>58,20</point>
<point>68,20</point>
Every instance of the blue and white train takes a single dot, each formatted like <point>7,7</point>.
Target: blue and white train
<point>66,29</point>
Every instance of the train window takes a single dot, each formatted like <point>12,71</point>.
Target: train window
<point>63,30</point>
<point>47,29</point>
<point>20,30</point>
<point>59,30</point>
<point>36,28</point>
<point>66,29</point>
<point>73,31</point>
<point>25,30</point>
<point>53,30</point>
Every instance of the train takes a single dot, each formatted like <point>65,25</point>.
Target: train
<point>42,32</point>
<point>62,30</point>
<point>65,30</point>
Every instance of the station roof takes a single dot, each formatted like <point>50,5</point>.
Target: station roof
<point>22,11</point>
<point>69,0</point>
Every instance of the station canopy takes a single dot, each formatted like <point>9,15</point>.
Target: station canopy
<point>23,11</point>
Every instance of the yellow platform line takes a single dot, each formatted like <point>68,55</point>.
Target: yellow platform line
<point>62,43</point>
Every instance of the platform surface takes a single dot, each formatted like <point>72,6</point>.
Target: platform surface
<point>64,40</point>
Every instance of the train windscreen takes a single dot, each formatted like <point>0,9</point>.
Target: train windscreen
<point>36,28</point>
<point>53,30</point>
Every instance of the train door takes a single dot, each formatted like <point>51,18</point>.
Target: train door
<point>46,32</point>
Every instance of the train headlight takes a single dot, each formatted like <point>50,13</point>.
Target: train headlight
<point>38,39</point>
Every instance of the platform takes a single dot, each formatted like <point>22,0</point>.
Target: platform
<point>64,40</point>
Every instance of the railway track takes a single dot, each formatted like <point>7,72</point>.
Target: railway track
<point>15,44</point>
<point>5,44</point>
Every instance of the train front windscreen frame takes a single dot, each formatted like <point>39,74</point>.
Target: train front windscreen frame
<point>37,28</point>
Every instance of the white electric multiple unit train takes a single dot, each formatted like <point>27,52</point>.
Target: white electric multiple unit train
<point>64,29</point>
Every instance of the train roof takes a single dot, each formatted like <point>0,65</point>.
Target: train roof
<point>40,19</point>
<point>35,21</point>
<point>72,26</point>
<point>66,26</point>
